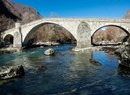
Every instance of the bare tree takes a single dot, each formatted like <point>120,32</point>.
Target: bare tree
<point>54,15</point>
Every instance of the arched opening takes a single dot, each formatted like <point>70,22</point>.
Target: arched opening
<point>109,35</point>
<point>8,40</point>
<point>48,34</point>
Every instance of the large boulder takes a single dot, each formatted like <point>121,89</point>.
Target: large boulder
<point>7,72</point>
<point>49,52</point>
<point>123,56</point>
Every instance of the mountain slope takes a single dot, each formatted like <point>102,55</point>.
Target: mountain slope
<point>11,12</point>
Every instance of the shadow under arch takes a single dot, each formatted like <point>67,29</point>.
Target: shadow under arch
<point>120,27</point>
<point>8,40</point>
<point>25,42</point>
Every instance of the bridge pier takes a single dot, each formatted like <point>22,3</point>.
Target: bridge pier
<point>17,43</point>
<point>83,35</point>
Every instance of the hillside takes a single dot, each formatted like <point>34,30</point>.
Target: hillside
<point>11,12</point>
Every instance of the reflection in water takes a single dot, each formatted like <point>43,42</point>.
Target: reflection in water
<point>66,73</point>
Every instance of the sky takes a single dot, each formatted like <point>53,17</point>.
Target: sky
<point>79,8</point>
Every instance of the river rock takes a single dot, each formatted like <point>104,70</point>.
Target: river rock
<point>49,52</point>
<point>7,72</point>
<point>94,62</point>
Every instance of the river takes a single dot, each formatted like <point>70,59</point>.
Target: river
<point>65,73</point>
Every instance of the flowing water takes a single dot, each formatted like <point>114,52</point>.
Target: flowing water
<point>65,73</point>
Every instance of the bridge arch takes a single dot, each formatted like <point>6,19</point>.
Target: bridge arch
<point>113,25</point>
<point>8,40</point>
<point>34,28</point>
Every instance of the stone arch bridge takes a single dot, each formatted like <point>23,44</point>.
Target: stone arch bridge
<point>81,29</point>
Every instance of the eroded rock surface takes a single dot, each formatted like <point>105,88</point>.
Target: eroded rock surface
<point>7,72</point>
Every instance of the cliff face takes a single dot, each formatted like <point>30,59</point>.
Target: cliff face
<point>11,12</point>
<point>27,14</point>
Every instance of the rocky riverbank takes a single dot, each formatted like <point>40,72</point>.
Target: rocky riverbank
<point>46,44</point>
<point>122,52</point>
<point>10,50</point>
